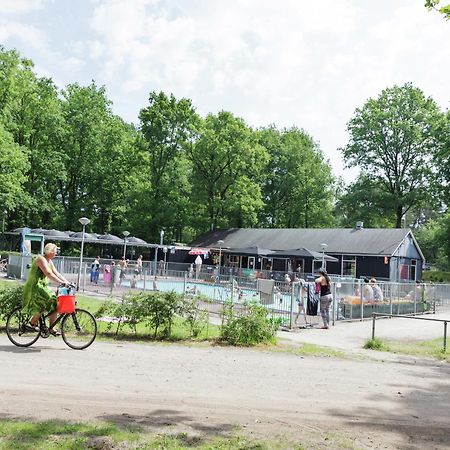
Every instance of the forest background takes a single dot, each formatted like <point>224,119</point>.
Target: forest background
<point>64,154</point>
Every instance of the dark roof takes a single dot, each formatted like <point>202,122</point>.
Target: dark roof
<point>370,241</point>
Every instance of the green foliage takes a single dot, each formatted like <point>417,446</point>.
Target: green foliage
<point>13,164</point>
<point>296,170</point>
<point>375,344</point>
<point>195,318</point>
<point>157,310</point>
<point>168,127</point>
<point>161,308</point>
<point>363,199</point>
<point>434,4</point>
<point>434,240</point>
<point>227,165</point>
<point>62,435</point>
<point>10,298</point>
<point>392,141</point>
<point>247,324</point>
<point>437,276</point>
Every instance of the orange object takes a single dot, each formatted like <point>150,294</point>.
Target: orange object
<point>66,304</point>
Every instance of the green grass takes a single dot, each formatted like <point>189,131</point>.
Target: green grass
<point>49,435</point>
<point>60,435</point>
<point>180,331</point>
<point>306,349</point>
<point>429,348</point>
<point>376,344</point>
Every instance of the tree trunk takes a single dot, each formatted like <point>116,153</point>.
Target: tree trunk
<point>399,215</point>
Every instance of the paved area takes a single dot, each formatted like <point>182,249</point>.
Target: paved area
<point>351,336</point>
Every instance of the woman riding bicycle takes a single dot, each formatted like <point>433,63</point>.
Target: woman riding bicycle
<point>37,296</point>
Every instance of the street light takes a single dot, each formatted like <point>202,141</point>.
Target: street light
<point>5,213</point>
<point>165,258</point>
<point>324,246</point>
<point>126,234</point>
<point>84,221</point>
<point>220,242</point>
<point>161,241</point>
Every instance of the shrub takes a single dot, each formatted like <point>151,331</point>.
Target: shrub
<point>130,311</point>
<point>375,344</point>
<point>247,326</point>
<point>193,316</point>
<point>160,311</point>
<point>10,298</point>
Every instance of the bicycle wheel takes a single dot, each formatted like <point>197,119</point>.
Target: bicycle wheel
<point>19,333</point>
<point>79,329</point>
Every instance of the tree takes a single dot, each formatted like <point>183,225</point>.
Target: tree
<point>30,111</point>
<point>364,200</point>
<point>100,160</point>
<point>434,240</point>
<point>442,159</point>
<point>392,141</point>
<point>298,187</point>
<point>434,4</point>
<point>13,166</point>
<point>168,126</point>
<point>227,166</point>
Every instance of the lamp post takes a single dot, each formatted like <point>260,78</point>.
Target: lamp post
<point>161,241</point>
<point>220,242</point>
<point>4,218</point>
<point>324,246</point>
<point>84,221</point>
<point>165,259</point>
<point>126,234</point>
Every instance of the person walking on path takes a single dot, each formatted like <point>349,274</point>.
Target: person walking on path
<point>325,296</point>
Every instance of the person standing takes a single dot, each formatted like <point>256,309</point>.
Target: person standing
<point>139,266</point>
<point>325,296</point>
<point>123,267</point>
<point>95,270</point>
<point>198,265</point>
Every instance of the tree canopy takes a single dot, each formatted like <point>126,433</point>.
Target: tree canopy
<point>64,154</point>
<point>392,142</point>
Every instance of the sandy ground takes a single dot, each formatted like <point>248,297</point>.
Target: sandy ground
<point>375,401</point>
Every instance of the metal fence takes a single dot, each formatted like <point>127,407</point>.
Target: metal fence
<point>285,301</point>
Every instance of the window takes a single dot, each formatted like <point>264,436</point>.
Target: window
<point>349,266</point>
<point>414,269</point>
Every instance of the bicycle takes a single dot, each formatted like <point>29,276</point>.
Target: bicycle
<point>78,326</point>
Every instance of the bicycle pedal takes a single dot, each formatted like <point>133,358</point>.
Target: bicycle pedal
<point>45,334</point>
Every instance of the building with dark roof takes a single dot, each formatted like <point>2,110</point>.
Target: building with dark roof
<point>387,253</point>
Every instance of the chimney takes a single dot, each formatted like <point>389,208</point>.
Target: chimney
<point>359,225</point>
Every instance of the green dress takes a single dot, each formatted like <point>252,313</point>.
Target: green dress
<point>37,296</point>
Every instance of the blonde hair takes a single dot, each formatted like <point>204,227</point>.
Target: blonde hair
<point>50,248</point>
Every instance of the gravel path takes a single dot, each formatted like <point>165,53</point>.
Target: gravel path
<point>390,403</point>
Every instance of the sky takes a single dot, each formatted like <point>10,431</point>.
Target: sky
<point>300,63</point>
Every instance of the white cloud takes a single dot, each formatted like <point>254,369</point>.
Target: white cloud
<point>13,29</point>
<point>308,64</point>
<point>19,6</point>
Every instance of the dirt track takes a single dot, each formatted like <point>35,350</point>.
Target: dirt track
<point>395,404</point>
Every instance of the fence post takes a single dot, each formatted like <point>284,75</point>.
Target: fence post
<point>232,288</point>
<point>361,302</point>
<point>184,283</point>
<point>145,279</point>
<point>292,306</point>
<point>445,336</point>
<point>84,276</point>
<point>373,325</point>
<point>333,287</point>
